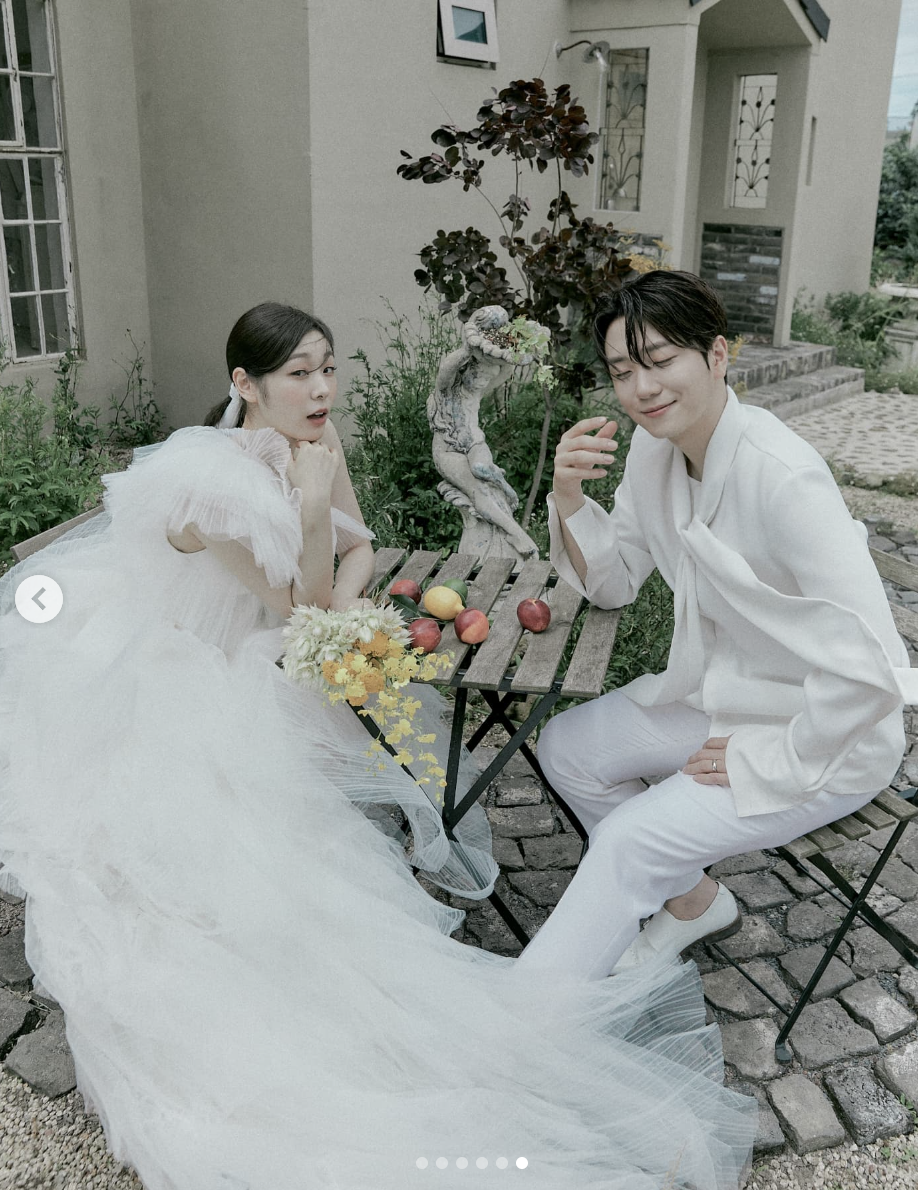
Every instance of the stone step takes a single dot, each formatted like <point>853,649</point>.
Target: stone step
<point>802,394</point>
<point>756,365</point>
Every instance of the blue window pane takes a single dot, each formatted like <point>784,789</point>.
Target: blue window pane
<point>469,24</point>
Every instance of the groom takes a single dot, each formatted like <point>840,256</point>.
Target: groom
<point>758,729</point>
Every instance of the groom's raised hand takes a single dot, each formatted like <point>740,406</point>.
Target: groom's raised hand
<point>582,455</point>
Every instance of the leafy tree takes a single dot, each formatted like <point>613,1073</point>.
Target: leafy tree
<point>565,268</point>
<point>897,213</point>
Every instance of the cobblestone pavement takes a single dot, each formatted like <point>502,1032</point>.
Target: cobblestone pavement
<point>873,434</point>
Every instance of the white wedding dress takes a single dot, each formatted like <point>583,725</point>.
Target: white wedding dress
<point>257,992</point>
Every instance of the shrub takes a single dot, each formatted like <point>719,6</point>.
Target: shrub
<point>50,473</point>
<point>855,324</point>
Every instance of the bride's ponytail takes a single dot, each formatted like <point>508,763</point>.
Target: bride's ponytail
<point>213,418</point>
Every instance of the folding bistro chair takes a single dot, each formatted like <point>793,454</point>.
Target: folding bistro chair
<point>888,808</point>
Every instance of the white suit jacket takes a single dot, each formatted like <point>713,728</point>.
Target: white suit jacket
<point>783,633</point>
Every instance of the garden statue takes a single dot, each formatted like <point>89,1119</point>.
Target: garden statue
<point>472,481</point>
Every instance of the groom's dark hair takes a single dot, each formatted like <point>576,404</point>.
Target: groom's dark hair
<point>683,308</point>
<point>262,341</point>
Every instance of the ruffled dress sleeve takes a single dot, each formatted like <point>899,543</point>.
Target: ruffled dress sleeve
<point>231,484</point>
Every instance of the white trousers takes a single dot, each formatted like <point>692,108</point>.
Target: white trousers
<point>647,843</point>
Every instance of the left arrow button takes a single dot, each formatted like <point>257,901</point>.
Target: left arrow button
<point>39,599</point>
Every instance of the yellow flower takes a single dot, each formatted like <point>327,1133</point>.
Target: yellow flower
<point>426,739</point>
<point>380,644</point>
<point>387,701</point>
<point>356,690</point>
<point>436,771</point>
<point>359,663</point>
<point>403,757</point>
<point>341,676</point>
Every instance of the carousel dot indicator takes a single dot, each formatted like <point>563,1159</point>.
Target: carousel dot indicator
<point>421,1163</point>
<point>521,1163</point>
<point>482,1163</point>
<point>461,1162</point>
<point>442,1163</point>
<point>501,1162</point>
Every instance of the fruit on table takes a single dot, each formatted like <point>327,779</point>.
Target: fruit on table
<point>471,626</point>
<point>457,585</point>
<point>533,614</point>
<point>442,602</point>
<point>424,634</point>
<point>407,587</point>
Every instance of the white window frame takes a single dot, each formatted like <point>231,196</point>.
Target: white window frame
<point>765,82</point>
<point>473,51</point>
<point>17,150</point>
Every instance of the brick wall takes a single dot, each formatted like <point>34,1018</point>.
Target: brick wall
<point>742,262</point>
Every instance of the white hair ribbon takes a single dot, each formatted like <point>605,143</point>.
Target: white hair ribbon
<point>231,413</point>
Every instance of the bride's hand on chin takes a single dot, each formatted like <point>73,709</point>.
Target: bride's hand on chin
<point>312,468</point>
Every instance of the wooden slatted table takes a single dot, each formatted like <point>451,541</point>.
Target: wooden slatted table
<point>495,668</point>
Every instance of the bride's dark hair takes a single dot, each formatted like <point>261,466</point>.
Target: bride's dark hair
<point>262,341</point>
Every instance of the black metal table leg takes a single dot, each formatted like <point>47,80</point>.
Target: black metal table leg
<point>498,713</point>
<point>449,795</point>
<point>858,900</point>
<point>520,735</point>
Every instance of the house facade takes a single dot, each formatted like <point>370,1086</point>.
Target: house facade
<point>167,165</point>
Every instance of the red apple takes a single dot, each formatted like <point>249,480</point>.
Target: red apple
<point>533,614</point>
<point>471,626</point>
<point>424,634</point>
<point>408,587</point>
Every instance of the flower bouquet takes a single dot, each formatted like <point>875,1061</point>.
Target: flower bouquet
<point>364,656</point>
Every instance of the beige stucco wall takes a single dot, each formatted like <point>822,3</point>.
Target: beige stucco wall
<point>666,166</point>
<point>381,89</point>
<point>97,84</point>
<point>848,98</point>
<point>723,71</point>
<point>224,117</point>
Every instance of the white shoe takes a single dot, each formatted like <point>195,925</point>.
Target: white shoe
<point>667,935</point>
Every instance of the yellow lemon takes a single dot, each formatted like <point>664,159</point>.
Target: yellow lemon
<point>443,602</point>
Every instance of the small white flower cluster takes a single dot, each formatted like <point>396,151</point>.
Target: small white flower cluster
<point>314,636</point>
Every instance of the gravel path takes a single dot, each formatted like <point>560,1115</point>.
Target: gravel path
<point>890,1163</point>
<point>51,1144</point>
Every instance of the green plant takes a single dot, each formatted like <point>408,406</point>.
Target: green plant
<point>136,418</point>
<point>390,457</point>
<point>52,472</point>
<point>45,478</point>
<point>855,325</point>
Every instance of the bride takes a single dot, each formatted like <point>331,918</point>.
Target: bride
<point>258,994</point>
